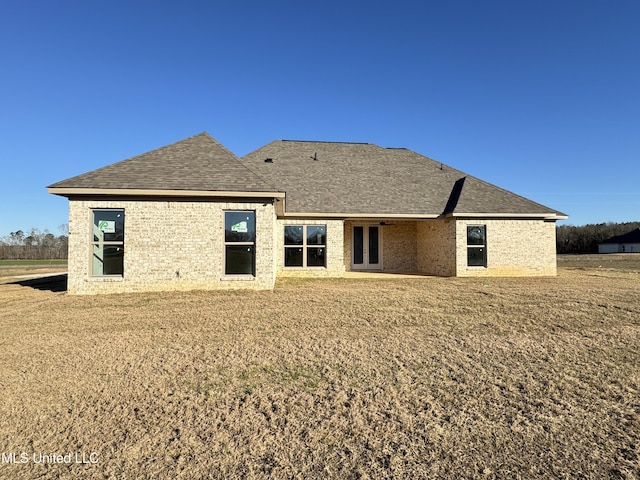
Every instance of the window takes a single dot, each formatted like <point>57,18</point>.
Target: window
<point>476,245</point>
<point>240,243</point>
<point>305,246</point>
<point>107,243</point>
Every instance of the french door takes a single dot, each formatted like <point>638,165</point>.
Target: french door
<point>367,247</point>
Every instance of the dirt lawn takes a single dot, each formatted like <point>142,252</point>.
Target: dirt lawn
<point>401,378</point>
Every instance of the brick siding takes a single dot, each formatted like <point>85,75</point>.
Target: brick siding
<point>514,248</point>
<point>169,246</point>
<point>179,245</point>
<point>399,246</point>
<point>439,247</point>
<point>436,251</point>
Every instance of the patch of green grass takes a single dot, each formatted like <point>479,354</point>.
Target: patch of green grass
<point>285,375</point>
<point>19,263</point>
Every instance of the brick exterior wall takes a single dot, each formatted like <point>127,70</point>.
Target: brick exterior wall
<point>439,247</point>
<point>169,246</point>
<point>514,248</point>
<point>179,245</point>
<point>399,247</point>
<point>347,246</point>
<point>436,247</point>
<point>398,242</point>
<point>335,251</point>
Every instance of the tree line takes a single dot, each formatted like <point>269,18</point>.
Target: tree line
<point>585,238</point>
<point>35,245</point>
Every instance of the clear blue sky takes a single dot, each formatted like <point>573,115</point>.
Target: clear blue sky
<point>541,98</point>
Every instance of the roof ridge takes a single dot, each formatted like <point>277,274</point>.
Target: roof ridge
<point>209,137</point>
<point>266,181</point>
<point>185,151</point>
<point>133,157</point>
<point>165,146</point>
<point>325,141</point>
<point>239,160</point>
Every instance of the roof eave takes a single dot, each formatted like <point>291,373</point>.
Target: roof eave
<point>545,216</point>
<point>363,216</point>
<point>75,191</point>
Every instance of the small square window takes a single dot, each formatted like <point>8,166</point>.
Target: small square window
<point>316,235</point>
<point>316,257</point>
<point>476,235</point>
<point>239,227</point>
<point>293,235</point>
<point>476,257</point>
<point>239,260</point>
<point>293,257</point>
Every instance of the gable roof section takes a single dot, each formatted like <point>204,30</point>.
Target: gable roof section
<point>321,179</point>
<point>631,237</point>
<point>365,179</point>
<point>478,197</point>
<point>198,165</point>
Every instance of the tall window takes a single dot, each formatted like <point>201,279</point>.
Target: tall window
<point>107,243</point>
<point>240,243</point>
<point>305,246</point>
<point>477,245</point>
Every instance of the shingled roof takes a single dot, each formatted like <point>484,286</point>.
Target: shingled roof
<point>198,163</point>
<point>318,178</point>
<point>361,178</point>
<point>631,237</point>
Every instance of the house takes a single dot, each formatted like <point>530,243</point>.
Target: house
<point>193,215</point>
<point>627,243</point>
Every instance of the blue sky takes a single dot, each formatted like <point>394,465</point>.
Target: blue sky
<point>541,98</point>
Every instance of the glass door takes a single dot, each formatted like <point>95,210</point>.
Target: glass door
<point>366,252</point>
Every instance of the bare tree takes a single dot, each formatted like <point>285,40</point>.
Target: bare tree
<point>37,245</point>
<point>585,238</point>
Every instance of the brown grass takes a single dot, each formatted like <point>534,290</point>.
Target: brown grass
<point>411,378</point>
<point>625,262</point>
<point>8,274</point>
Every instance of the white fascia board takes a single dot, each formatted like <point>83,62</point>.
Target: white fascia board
<point>159,193</point>
<point>360,216</point>
<point>546,216</point>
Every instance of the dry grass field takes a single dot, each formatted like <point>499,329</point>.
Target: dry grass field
<point>346,379</point>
